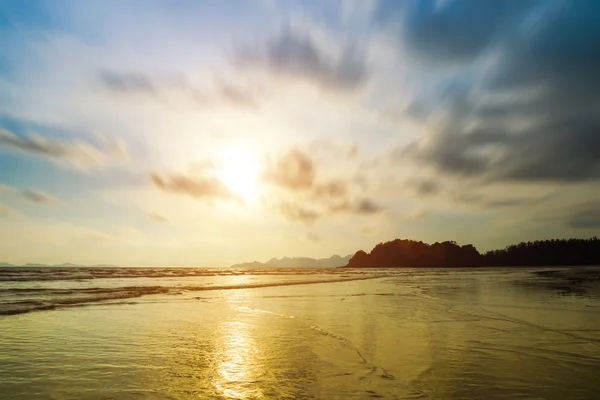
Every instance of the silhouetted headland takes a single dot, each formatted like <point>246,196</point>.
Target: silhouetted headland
<point>413,254</point>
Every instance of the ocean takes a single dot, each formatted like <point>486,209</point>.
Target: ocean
<point>210,333</point>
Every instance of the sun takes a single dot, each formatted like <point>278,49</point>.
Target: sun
<point>238,168</point>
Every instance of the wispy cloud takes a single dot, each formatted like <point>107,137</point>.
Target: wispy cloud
<point>157,217</point>
<point>587,217</point>
<point>295,212</point>
<point>206,187</point>
<point>166,88</point>
<point>127,82</point>
<point>37,196</point>
<point>76,152</point>
<point>6,211</point>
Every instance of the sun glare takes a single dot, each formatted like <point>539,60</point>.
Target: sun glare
<point>238,169</point>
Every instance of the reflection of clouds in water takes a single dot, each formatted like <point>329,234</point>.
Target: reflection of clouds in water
<point>237,368</point>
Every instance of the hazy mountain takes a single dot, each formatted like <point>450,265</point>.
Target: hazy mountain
<point>68,265</point>
<point>298,262</point>
<point>104,266</point>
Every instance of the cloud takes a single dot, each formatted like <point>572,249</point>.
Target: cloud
<point>295,171</point>
<point>563,151</point>
<point>313,237</point>
<point>332,189</point>
<point>309,213</point>
<point>207,187</point>
<point>157,217</point>
<point>454,30</point>
<point>585,218</point>
<point>6,211</point>
<point>522,103</point>
<point>127,82</point>
<point>303,197</point>
<point>295,212</point>
<point>234,94</point>
<point>38,196</point>
<point>468,194</point>
<point>339,149</point>
<point>165,87</point>
<point>425,186</point>
<point>75,152</point>
<point>298,55</point>
<point>516,201</point>
<point>367,206</point>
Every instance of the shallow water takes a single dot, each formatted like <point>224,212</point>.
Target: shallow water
<point>406,334</point>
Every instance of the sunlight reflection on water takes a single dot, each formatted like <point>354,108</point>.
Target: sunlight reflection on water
<point>236,371</point>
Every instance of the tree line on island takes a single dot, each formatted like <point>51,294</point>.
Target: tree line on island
<point>410,253</point>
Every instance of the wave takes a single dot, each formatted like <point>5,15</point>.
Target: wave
<point>30,274</point>
<point>49,299</point>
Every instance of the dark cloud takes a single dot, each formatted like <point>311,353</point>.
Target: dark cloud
<point>561,48</point>
<point>455,29</point>
<point>297,55</point>
<point>534,115</point>
<point>76,152</point>
<point>554,151</point>
<point>425,187</point>
<point>38,196</point>
<point>367,206</point>
<point>206,187</point>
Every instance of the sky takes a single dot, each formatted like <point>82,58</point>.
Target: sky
<point>208,133</point>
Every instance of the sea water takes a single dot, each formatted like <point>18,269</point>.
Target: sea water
<point>182,333</point>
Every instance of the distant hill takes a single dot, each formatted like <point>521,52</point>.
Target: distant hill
<point>298,262</point>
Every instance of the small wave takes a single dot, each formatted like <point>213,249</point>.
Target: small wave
<point>32,274</point>
<point>55,298</point>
